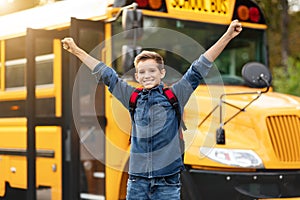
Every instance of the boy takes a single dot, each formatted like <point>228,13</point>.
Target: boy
<point>155,157</point>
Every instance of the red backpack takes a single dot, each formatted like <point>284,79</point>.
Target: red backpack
<point>173,101</point>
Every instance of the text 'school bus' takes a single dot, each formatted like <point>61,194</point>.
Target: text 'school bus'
<point>65,136</point>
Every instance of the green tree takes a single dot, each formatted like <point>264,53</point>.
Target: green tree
<point>277,16</point>
<point>284,44</point>
<point>286,80</point>
<point>294,35</point>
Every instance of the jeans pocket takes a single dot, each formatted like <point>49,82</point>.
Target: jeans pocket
<point>172,180</point>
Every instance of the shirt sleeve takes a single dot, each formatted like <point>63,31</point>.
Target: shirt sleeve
<point>119,88</point>
<point>191,79</point>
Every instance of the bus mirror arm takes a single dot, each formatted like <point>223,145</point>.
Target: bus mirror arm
<point>220,133</point>
<point>257,78</point>
<point>263,78</point>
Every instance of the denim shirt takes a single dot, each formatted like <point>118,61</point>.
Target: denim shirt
<point>155,149</point>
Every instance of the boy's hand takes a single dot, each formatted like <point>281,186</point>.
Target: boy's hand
<point>234,28</point>
<point>69,45</point>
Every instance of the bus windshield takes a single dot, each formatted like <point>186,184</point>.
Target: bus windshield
<point>247,47</point>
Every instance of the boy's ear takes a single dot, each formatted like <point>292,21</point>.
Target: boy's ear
<point>163,73</point>
<point>136,77</point>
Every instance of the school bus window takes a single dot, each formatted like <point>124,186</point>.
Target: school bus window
<point>44,61</point>
<point>15,73</point>
<point>15,62</point>
<point>246,48</point>
<point>44,69</point>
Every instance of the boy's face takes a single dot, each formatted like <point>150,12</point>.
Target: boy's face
<point>148,74</point>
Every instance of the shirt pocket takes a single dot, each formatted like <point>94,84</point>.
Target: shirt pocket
<point>160,113</point>
<point>153,117</point>
<point>141,117</point>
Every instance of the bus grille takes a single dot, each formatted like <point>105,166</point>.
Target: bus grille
<point>284,131</point>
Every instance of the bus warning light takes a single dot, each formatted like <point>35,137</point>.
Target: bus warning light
<point>142,3</point>
<point>243,13</point>
<point>254,14</point>
<point>155,4</point>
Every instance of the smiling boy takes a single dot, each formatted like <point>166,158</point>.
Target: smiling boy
<point>155,157</point>
<point>149,72</point>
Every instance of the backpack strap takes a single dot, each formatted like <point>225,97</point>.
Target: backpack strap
<point>133,100</point>
<point>174,102</point>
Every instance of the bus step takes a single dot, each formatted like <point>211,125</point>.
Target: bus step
<point>99,174</point>
<point>91,196</point>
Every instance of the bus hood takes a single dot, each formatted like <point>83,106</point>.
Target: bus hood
<point>205,100</point>
<point>270,126</point>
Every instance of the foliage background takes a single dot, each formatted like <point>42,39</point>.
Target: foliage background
<point>284,43</point>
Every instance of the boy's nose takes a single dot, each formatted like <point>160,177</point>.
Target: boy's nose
<point>147,74</point>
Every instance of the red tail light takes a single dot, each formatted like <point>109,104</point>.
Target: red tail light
<point>142,3</point>
<point>254,14</point>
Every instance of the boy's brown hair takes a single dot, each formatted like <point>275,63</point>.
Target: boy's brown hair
<point>145,55</point>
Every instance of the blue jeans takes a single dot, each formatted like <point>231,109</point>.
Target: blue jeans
<point>163,188</point>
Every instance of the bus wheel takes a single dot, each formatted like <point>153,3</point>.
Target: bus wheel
<point>188,188</point>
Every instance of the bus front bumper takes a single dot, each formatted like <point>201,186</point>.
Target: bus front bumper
<point>255,185</point>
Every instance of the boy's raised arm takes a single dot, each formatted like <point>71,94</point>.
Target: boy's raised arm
<point>69,45</point>
<point>214,51</point>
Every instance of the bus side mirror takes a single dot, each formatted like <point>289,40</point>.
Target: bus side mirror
<point>132,23</point>
<point>129,52</point>
<point>256,75</point>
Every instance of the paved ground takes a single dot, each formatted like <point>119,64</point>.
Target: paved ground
<point>44,194</point>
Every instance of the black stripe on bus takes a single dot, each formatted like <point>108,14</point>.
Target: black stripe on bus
<point>44,107</point>
<point>22,152</point>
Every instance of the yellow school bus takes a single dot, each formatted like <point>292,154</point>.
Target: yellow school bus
<point>64,136</point>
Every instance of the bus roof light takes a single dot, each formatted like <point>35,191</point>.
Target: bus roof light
<point>142,3</point>
<point>243,13</point>
<point>155,4</point>
<point>254,14</point>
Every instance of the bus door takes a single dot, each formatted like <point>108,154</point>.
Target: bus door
<point>43,110</point>
<point>87,105</point>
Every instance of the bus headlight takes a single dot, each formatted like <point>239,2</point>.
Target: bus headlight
<point>233,157</point>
